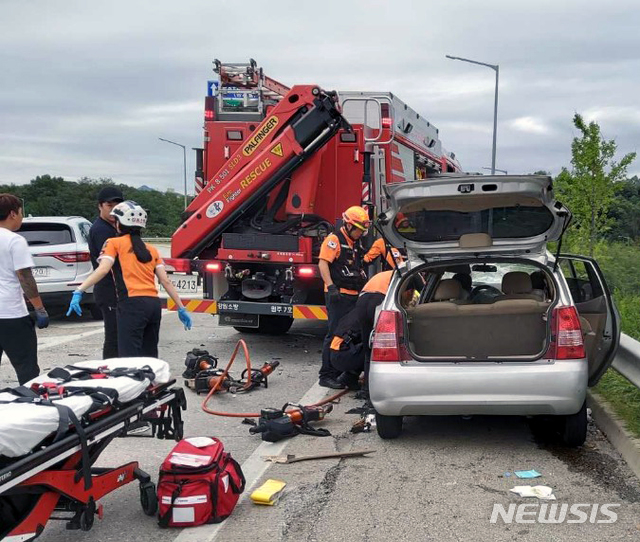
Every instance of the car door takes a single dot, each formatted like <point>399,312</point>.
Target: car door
<point>593,300</point>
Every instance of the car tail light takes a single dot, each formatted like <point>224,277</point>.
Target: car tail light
<point>388,338</point>
<point>387,122</point>
<point>67,257</point>
<point>214,267</point>
<point>306,271</point>
<point>566,339</point>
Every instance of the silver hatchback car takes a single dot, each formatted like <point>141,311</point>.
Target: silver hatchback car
<point>498,324</point>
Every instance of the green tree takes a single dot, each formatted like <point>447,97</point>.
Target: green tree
<point>53,196</point>
<point>590,187</point>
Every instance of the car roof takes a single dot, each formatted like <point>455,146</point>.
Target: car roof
<point>54,219</point>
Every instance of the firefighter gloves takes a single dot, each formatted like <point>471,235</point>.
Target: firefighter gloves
<point>74,306</point>
<point>333,293</point>
<point>184,318</point>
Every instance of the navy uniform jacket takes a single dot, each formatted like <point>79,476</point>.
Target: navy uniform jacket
<point>104,292</point>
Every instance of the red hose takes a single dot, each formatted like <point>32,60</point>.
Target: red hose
<point>224,375</point>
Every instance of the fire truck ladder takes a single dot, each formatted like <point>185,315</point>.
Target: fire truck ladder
<point>249,76</point>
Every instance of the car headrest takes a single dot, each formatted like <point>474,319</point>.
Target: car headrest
<point>516,282</point>
<point>465,280</point>
<point>538,281</point>
<point>447,290</point>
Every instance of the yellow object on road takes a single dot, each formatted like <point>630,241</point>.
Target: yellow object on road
<point>268,493</point>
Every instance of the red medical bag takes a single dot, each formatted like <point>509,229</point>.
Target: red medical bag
<point>199,483</point>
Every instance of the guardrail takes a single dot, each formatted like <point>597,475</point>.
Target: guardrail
<point>627,360</point>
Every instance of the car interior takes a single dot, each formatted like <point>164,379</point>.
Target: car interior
<point>494,310</point>
<point>481,311</point>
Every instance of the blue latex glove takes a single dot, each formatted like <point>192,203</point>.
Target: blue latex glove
<point>42,318</point>
<point>184,318</point>
<point>74,306</point>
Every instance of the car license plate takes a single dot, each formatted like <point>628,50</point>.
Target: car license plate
<point>39,272</point>
<point>185,284</point>
<point>241,320</point>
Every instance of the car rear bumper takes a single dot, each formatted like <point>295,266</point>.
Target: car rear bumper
<point>519,389</point>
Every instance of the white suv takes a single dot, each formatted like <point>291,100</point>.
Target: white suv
<point>500,325</point>
<point>60,250</point>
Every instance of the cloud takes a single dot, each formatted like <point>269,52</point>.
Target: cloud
<point>90,86</point>
<point>614,114</point>
<point>530,125</point>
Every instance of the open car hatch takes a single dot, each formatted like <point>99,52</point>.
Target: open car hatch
<point>449,216</point>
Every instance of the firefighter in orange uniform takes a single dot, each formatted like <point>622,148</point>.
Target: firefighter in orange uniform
<point>342,269</point>
<point>379,250</point>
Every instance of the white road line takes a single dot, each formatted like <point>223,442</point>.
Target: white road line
<point>51,342</point>
<point>253,468</point>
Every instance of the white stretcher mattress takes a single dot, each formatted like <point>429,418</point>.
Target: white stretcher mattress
<point>24,426</point>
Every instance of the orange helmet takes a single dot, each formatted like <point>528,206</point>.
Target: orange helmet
<point>358,217</point>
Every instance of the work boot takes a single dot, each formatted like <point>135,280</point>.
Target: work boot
<point>350,380</point>
<point>330,382</point>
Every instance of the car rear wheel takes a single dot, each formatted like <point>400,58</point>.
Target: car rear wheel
<point>573,428</point>
<point>388,427</point>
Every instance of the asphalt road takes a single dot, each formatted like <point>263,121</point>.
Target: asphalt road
<point>439,481</point>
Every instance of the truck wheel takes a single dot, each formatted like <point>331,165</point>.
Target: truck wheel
<point>388,427</point>
<point>573,428</point>
<point>269,325</point>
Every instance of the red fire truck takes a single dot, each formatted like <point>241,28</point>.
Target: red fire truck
<point>278,167</point>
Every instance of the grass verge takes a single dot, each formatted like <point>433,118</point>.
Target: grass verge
<point>623,397</point>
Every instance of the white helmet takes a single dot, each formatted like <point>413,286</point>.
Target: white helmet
<point>129,213</point>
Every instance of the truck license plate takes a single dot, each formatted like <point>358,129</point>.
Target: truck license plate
<point>185,284</point>
<point>241,320</point>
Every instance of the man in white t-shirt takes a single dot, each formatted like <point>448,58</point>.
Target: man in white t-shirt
<point>17,334</point>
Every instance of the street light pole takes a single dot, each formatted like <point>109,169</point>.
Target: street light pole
<point>496,68</point>
<point>184,156</point>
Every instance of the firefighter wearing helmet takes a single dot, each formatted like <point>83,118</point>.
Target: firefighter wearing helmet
<point>342,268</point>
<point>135,266</point>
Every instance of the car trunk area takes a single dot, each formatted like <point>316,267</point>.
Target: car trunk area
<point>503,319</point>
<point>512,328</point>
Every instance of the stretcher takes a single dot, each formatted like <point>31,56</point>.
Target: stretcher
<point>54,428</point>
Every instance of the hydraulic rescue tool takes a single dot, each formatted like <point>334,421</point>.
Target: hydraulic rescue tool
<point>202,374</point>
<point>289,421</point>
<point>274,424</point>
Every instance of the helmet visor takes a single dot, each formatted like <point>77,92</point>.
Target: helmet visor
<point>364,226</point>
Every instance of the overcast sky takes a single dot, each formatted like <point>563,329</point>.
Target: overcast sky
<point>88,86</point>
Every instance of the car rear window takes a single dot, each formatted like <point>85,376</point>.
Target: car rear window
<point>46,234</point>
<point>499,222</point>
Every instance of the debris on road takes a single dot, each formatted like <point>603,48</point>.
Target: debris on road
<point>295,459</point>
<point>364,424</point>
<point>527,473</point>
<point>268,493</point>
<point>544,493</point>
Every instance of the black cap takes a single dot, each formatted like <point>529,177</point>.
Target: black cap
<point>110,193</point>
